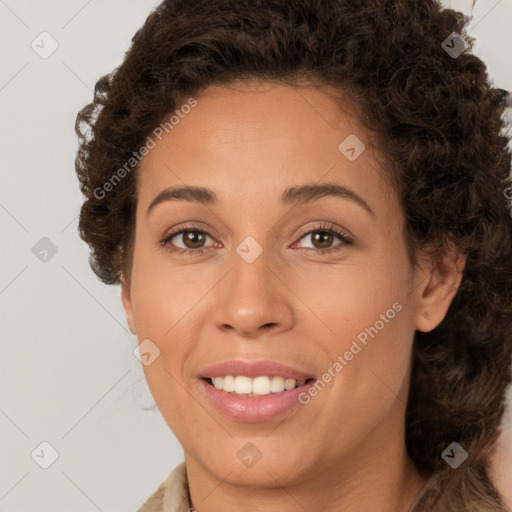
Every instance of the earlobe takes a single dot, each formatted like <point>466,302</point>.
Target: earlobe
<point>438,289</point>
<point>127,306</point>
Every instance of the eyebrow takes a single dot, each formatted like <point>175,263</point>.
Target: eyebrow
<point>292,195</point>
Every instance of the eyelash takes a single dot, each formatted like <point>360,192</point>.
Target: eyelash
<point>322,228</point>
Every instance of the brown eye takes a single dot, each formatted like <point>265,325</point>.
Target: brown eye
<point>323,237</point>
<point>192,240</point>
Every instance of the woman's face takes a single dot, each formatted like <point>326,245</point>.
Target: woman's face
<point>255,287</point>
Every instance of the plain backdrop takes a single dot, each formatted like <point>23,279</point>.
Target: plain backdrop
<point>68,376</point>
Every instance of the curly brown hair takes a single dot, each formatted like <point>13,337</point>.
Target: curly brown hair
<point>440,126</point>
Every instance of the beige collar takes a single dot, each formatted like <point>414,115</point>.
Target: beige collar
<point>172,495</point>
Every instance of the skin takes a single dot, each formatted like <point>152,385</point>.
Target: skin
<point>502,460</point>
<point>344,450</point>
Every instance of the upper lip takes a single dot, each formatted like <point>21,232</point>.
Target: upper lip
<point>254,369</point>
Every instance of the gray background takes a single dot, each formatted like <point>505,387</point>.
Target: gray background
<point>68,375</point>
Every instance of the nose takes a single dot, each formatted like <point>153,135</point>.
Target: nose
<point>253,299</point>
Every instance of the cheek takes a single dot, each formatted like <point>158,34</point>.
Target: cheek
<point>368,310</point>
<point>370,293</point>
<point>175,404</point>
<point>162,293</point>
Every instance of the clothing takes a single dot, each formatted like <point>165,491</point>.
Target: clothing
<point>173,495</point>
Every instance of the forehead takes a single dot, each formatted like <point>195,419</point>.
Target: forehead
<point>258,136</point>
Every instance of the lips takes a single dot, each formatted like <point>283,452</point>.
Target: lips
<point>253,409</point>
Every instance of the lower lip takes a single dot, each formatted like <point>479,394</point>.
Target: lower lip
<point>253,409</point>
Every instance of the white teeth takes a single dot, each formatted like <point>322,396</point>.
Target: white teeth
<point>261,386</point>
<point>289,384</point>
<point>242,385</point>
<point>277,385</point>
<point>229,383</point>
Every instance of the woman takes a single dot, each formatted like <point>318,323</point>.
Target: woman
<point>305,204</point>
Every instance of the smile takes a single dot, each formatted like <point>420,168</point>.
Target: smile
<point>263,385</point>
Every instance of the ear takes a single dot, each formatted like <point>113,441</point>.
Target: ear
<point>440,276</point>
<point>127,305</point>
